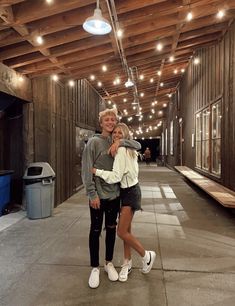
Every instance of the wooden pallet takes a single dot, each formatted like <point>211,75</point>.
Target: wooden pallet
<point>223,195</point>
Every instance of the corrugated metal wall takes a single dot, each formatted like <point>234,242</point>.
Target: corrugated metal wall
<point>211,80</point>
<point>58,110</point>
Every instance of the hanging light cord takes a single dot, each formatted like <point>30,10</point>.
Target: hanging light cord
<point>115,24</point>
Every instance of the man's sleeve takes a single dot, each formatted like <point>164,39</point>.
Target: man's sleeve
<point>132,144</point>
<point>87,175</point>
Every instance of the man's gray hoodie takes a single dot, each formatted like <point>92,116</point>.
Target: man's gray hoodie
<point>95,155</point>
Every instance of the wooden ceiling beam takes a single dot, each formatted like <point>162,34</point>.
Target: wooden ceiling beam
<point>148,37</point>
<point>147,46</point>
<point>163,9</point>
<point>152,11</point>
<point>44,66</point>
<point>198,40</point>
<point>107,59</point>
<point>10,2</point>
<point>8,17</point>
<point>9,37</point>
<point>202,31</point>
<point>63,21</point>
<point>24,60</point>
<point>79,45</point>
<point>125,6</point>
<point>31,10</point>
<point>149,25</point>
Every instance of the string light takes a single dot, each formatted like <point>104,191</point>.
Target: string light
<point>55,77</point>
<point>119,33</point>
<point>39,40</point>
<point>171,59</point>
<point>196,61</point>
<point>104,68</point>
<point>71,83</point>
<point>189,16</point>
<point>220,14</point>
<point>92,77</point>
<point>99,84</point>
<point>159,47</point>
<point>21,79</point>
<point>159,72</point>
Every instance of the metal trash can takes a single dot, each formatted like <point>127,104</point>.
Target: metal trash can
<point>39,180</point>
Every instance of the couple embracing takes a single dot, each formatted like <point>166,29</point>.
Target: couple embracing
<point>108,159</point>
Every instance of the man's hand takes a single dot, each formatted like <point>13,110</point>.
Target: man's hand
<point>95,203</point>
<point>93,170</point>
<point>114,147</point>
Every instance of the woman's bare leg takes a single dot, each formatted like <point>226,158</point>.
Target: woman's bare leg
<point>127,248</point>
<point>125,234</point>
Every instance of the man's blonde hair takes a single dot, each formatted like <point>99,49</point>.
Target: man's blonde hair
<point>108,111</point>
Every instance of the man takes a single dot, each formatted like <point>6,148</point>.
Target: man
<point>103,197</point>
<point>147,156</point>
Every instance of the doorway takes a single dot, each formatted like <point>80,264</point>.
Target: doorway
<point>11,143</point>
<point>153,145</point>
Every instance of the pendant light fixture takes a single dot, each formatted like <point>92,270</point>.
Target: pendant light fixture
<point>129,83</point>
<point>97,24</point>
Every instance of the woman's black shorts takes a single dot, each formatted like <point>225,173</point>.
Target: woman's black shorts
<point>131,196</point>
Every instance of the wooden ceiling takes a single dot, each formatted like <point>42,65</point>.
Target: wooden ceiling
<point>72,53</point>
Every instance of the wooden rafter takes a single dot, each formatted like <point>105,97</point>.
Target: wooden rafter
<point>72,52</point>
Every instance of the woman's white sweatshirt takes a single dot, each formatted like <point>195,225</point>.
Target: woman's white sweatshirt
<point>125,169</point>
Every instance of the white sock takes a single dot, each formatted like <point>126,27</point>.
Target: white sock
<point>146,255</point>
<point>126,261</point>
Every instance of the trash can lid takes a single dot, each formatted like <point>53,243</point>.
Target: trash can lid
<point>38,170</point>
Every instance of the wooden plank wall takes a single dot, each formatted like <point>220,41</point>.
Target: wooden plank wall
<point>212,79</point>
<point>11,84</point>
<point>58,110</point>
<point>172,115</point>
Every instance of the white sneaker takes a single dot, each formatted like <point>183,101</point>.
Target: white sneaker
<point>94,279</point>
<point>112,273</point>
<point>148,261</point>
<point>126,269</point>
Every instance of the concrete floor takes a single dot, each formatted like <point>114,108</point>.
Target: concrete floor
<point>46,261</point>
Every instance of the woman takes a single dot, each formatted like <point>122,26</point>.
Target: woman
<point>125,170</point>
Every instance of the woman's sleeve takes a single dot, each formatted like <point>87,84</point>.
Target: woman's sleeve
<point>118,171</point>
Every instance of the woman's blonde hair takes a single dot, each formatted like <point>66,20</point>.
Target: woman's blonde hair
<point>126,135</point>
<point>125,130</point>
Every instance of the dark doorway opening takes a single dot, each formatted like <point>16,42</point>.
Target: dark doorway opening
<point>11,143</point>
<point>153,145</point>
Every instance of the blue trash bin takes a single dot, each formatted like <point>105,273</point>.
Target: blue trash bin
<point>5,184</point>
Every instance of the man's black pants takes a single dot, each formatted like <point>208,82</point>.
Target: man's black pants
<point>109,208</point>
